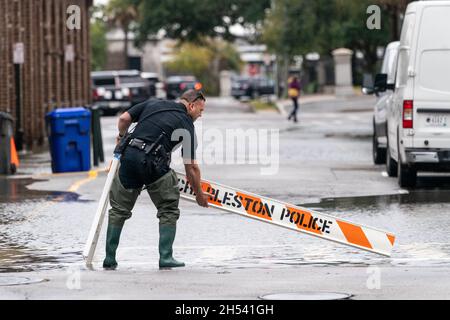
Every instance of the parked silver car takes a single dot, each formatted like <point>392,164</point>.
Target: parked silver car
<point>385,97</point>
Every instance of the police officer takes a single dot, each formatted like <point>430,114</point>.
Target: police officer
<point>162,125</point>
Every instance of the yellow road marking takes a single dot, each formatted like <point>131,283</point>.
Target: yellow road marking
<point>67,174</point>
<point>91,176</point>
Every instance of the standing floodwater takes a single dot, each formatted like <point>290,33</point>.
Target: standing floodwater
<point>21,210</point>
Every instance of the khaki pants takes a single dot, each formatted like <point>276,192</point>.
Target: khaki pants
<point>163,192</point>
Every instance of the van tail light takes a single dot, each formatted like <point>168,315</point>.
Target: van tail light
<point>95,95</point>
<point>408,114</point>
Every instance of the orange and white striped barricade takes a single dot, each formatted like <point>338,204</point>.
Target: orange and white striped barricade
<point>97,223</point>
<point>291,216</point>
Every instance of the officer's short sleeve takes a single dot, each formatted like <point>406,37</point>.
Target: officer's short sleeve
<point>136,111</point>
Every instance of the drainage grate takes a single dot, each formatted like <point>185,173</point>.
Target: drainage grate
<point>16,281</point>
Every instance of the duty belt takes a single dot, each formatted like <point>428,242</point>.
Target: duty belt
<point>146,147</point>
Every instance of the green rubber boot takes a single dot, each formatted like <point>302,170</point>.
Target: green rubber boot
<point>166,238</point>
<point>112,242</point>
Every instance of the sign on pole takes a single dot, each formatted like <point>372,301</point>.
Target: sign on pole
<point>70,53</point>
<point>18,53</point>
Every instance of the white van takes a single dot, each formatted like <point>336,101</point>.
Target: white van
<point>418,120</point>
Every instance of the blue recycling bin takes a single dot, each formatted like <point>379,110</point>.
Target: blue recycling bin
<point>69,137</point>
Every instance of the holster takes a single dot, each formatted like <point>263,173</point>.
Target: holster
<point>158,161</point>
<point>123,143</point>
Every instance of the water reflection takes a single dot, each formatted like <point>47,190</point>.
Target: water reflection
<point>15,190</point>
<point>20,205</point>
<point>55,237</point>
<point>419,219</point>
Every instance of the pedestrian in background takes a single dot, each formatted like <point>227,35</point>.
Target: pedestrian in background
<point>294,94</point>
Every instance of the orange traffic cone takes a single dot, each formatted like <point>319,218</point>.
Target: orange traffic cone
<point>14,156</point>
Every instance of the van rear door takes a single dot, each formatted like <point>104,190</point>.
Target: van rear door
<point>432,79</point>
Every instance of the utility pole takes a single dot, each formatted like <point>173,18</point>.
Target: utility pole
<point>285,70</point>
<point>281,65</point>
<point>18,60</point>
<point>275,64</point>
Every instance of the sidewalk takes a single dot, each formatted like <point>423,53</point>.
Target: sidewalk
<point>245,284</point>
<point>324,102</point>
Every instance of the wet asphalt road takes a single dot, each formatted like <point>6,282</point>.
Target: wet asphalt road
<point>324,163</point>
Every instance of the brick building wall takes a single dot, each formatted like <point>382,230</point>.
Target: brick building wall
<point>47,79</point>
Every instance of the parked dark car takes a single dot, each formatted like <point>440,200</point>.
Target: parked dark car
<point>264,86</point>
<point>138,86</point>
<point>153,79</point>
<point>252,87</point>
<point>241,87</point>
<point>176,85</point>
<point>115,91</point>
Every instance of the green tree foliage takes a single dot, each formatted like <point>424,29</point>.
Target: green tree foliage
<point>355,34</point>
<point>289,27</point>
<point>204,62</point>
<point>394,9</point>
<point>190,59</point>
<point>98,41</point>
<point>191,20</point>
<point>295,27</point>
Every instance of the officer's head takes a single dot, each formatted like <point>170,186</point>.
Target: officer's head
<point>195,103</point>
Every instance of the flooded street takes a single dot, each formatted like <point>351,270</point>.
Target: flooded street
<point>325,165</point>
<point>42,235</point>
<point>275,118</point>
<point>23,246</point>
<point>419,219</point>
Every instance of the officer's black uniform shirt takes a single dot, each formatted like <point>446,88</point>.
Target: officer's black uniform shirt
<point>150,128</point>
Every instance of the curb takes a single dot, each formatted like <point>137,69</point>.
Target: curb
<point>281,108</point>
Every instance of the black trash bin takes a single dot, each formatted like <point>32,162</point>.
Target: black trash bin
<point>6,132</point>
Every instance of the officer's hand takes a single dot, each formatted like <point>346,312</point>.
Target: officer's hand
<point>202,199</point>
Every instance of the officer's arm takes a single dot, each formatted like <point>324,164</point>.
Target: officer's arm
<point>194,178</point>
<point>124,123</point>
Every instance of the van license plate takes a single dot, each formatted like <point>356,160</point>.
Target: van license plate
<point>436,121</point>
